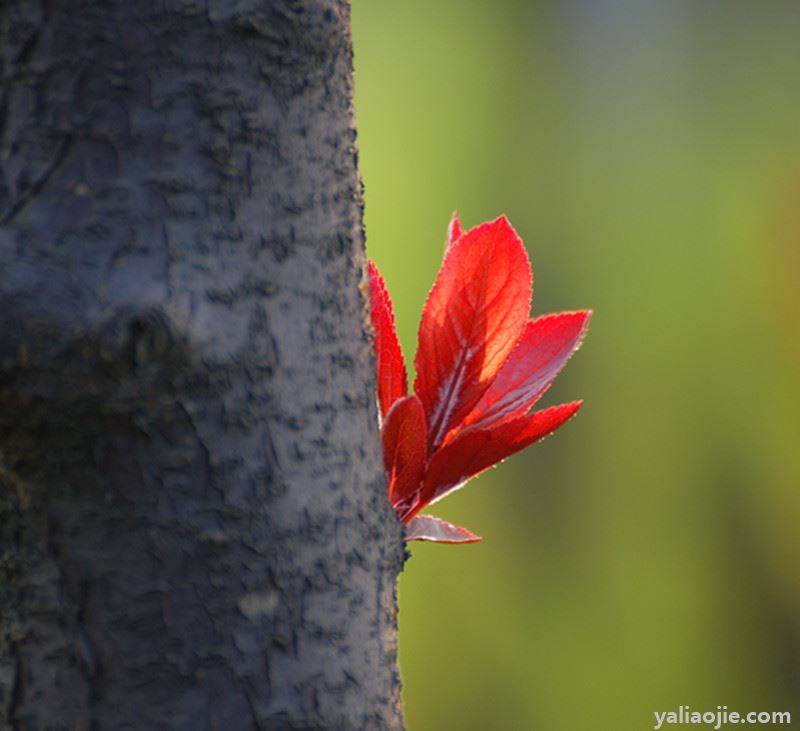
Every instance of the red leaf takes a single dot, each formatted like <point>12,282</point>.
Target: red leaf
<point>543,350</point>
<point>475,450</point>
<point>392,378</point>
<point>473,318</point>
<point>404,452</point>
<point>454,231</point>
<point>428,528</point>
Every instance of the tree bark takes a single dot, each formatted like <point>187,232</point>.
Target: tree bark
<point>193,522</point>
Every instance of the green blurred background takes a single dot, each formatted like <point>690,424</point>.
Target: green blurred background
<point>648,153</point>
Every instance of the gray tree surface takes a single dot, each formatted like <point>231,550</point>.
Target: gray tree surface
<point>194,532</point>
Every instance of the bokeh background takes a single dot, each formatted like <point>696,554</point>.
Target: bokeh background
<point>648,153</point>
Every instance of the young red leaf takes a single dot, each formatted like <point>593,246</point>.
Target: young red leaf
<point>454,231</point>
<point>428,528</point>
<point>545,347</point>
<point>392,378</point>
<point>475,450</point>
<point>473,318</point>
<point>404,439</point>
<point>481,365</point>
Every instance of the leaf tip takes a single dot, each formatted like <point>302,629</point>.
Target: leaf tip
<point>454,231</point>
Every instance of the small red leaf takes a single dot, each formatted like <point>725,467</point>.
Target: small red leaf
<point>454,231</point>
<point>392,378</point>
<point>428,528</point>
<point>404,452</point>
<point>475,450</point>
<point>473,318</point>
<point>543,350</point>
<point>481,365</point>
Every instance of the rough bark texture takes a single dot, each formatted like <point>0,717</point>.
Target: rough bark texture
<point>193,522</point>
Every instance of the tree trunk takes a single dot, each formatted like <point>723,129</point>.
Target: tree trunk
<point>194,527</point>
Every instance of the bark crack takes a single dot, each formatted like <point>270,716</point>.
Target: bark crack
<point>36,187</point>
